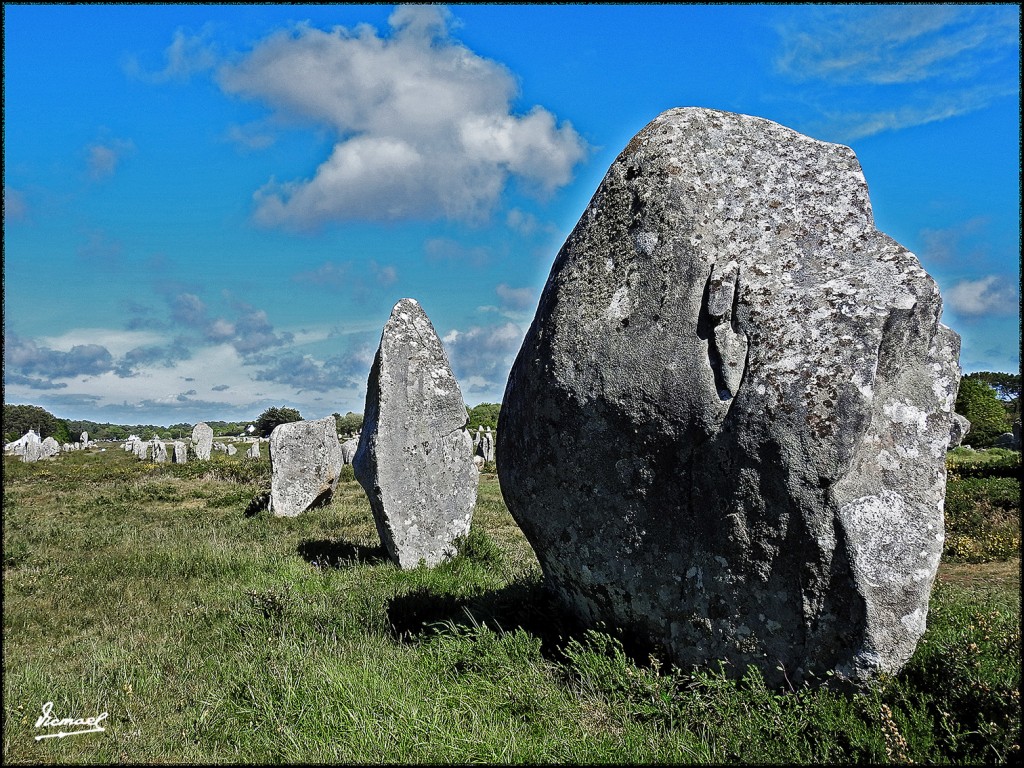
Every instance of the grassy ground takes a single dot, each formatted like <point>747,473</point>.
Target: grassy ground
<point>209,635</point>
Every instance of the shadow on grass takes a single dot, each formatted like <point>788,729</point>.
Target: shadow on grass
<point>336,553</point>
<point>525,604</point>
<point>259,502</point>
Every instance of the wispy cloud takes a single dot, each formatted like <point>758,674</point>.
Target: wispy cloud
<point>26,356</point>
<point>482,356</point>
<point>15,208</point>
<point>250,137</point>
<point>515,299</point>
<point>947,243</point>
<point>441,249</point>
<point>100,248</point>
<point>943,59</point>
<point>855,125</point>
<point>362,281</point>
<point>424,125</point>
<point>302,372</point>
<point>990,295</point>
<point>893,44</point>
<point>188,54</point>
<point>103,158</point>
<point>12,378</point>
<point>134,360</point>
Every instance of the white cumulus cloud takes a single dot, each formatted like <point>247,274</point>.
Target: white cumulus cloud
<point>991,295</point>
<point>424,126</point>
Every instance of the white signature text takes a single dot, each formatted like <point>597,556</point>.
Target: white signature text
<point>87,724</point>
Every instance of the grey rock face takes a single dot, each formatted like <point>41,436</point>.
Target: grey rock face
<point>28,446</point>
<point>159,451</point>
<point>958,430</point>
<point>49,447</point>
<point>1009,440</point>
<point>202,440</point>
<point>305,464</point>
<point>180,452</point>
<point>726,427</point>
<point>414,458</point>
<point>254,451</point>
<point>230,450</point>
<point>348,449</point>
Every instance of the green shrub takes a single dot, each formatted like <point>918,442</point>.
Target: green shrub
<point>982,518</point>
<point>994,462</point>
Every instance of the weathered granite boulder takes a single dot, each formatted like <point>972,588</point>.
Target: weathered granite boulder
<point>348,449</point>
<point>414,458</point>
<point>202,440</point>
<point>180,452</point>
<point>230,450</point>
<point>305,464</point>
<point>49,447</point>
<point>958,430</point>
<point>489,440</point>
<point>159,451</point>
<point>84,439</point>
<point>725,430</point>
<point>32,449</point>
<point>254,451</point>
<point>1010,440</point>
<point>484,444</point>
<point>28,446</point>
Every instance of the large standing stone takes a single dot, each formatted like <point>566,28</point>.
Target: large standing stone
<point>958,429</point>
<point>202,439</point>
<point>726,427</point>
<point>348,449</point>
<point>28,446</point>
<point>254,451</point>
<point>415,454</point>
<point>159,451</point>
<point>49,447</point>
<point>180,452</point>
<point>305,464</point>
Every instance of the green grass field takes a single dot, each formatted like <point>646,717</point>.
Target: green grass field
<point>211,635</point>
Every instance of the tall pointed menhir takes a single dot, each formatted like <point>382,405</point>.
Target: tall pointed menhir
<point>415,455</point>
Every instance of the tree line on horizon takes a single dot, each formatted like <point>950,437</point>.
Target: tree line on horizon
<point>990,400</point>
<point>19,419</point>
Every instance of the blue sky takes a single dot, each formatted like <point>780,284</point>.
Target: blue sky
<point>209,210</point>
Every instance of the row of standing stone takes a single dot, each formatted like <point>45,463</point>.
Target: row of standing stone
<point>31,448</point>
<point>202,441</point>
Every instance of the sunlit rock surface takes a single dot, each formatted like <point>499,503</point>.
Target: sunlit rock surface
<point>726,428</point>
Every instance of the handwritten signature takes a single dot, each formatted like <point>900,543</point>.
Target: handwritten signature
<point>47,720</point>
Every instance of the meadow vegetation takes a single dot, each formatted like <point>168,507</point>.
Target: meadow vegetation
<point>211,631</point>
